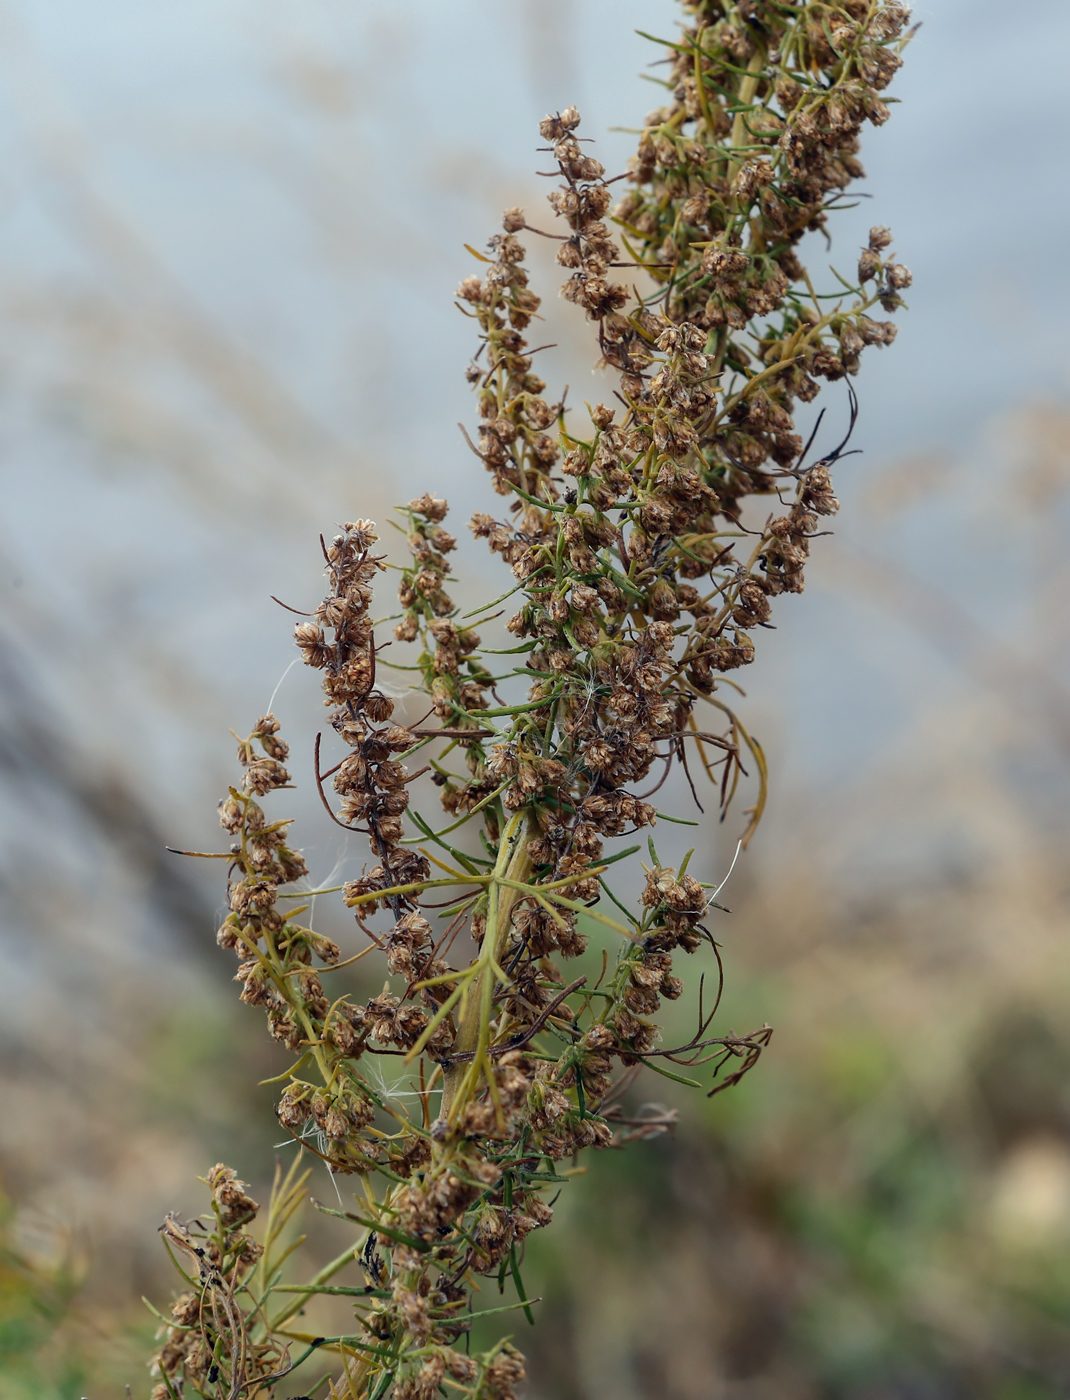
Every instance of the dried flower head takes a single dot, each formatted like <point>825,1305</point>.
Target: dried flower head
<point>642,571</point>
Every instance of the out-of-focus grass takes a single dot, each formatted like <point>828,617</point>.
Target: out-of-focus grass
<point>78,1243</point>
<point>33,1300</point>
<point>52,1346</point>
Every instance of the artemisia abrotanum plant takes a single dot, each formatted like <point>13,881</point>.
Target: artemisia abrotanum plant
<point>642,571</point>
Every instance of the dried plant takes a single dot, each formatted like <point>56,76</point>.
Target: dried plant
<point>640,582</point>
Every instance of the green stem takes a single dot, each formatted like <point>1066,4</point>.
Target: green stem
<point>748,88</point>
<point>511,870</point>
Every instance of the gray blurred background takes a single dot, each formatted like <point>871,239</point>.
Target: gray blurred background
<point>229,238</point>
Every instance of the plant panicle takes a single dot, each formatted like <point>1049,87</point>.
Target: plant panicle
<point>643,572</point>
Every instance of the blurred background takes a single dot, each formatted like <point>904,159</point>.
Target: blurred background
<point>230,231</point>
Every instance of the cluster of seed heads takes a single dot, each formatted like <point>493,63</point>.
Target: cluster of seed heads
<point>644,560</point>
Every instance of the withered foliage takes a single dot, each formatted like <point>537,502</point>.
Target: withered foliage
<point>642,576</point>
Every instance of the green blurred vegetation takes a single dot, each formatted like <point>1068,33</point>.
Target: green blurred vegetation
<point>34,1299</point>
<point>49,1347</point>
